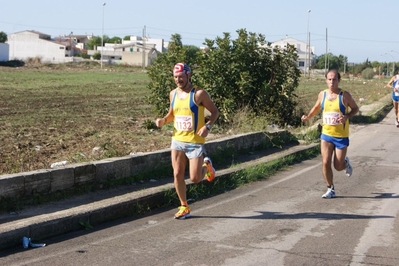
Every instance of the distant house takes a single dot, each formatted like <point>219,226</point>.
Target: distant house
<point>305,58</point>
<point>4,47</point>
<point>134,52</point>
<point>33,44</point>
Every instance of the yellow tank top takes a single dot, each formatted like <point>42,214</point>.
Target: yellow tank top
<point>332,110</point>
<point>189,118</point>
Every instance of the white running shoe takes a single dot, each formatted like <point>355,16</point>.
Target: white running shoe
<point>349,169</point>
<point>329,194</point>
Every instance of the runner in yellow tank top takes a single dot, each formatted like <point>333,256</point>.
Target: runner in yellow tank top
<point>187,105</point>
<point>334,142</point>
<point>333,110</point>
<point>189,118</point>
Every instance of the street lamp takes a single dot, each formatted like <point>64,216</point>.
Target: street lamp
<point>392,51</point>
<point>70,43</point>
<point>307,46</point>
<point>102,38</point>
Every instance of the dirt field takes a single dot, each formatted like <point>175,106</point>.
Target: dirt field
<point>71,113</point>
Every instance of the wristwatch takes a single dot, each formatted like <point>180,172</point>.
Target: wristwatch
<point>208,126</point>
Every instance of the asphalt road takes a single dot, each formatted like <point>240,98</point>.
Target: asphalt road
<point>279,221</point>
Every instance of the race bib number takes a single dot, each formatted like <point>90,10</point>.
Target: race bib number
<point>184,122</point>
<point>331,118</point>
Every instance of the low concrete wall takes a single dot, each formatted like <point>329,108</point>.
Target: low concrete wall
<point>26,184</point>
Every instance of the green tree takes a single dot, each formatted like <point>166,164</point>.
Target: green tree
<point>175,40</point>
<point>3,37</point>
<point>97,56</point>
<point>358,68</point>
<point>242,73</point>
<point>247,73</point>
<point>327,60</point>
<point>96,41</point>
<point>192,52</point>
<point>342,62</point>
<point>114,40</point>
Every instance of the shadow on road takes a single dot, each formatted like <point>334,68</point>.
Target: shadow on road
<point>304,215</point>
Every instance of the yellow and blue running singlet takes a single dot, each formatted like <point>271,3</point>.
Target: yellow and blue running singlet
<point>189,118</point>
<point>332,111</point>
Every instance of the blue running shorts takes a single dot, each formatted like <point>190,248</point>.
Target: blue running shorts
<point>395,98</point>
<point>339,143</point>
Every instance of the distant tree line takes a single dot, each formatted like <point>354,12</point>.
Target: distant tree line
<point>340,62</point>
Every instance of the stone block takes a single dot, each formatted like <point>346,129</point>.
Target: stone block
<point>37,182</point>
<point>12,185</point>
<point>84,173</point>
<point>62,178</point>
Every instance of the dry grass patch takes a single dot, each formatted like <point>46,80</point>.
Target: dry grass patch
<point>80,113</point>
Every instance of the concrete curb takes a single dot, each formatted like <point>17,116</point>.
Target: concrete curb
<point>45,181</point>
<point>46,225</point>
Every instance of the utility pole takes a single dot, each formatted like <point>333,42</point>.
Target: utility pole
<point>309,62</point>
<point>325,57</point>
<point>102,37</point>
<point>307,46</point>
<point>143,59</point>
<point>70,43</point>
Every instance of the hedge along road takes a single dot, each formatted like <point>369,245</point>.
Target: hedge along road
<point>278,221</point>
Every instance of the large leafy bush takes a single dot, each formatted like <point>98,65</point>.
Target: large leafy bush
<point>246,73</point>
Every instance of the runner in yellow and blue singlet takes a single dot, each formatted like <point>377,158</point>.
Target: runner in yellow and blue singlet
<point>338,107</point>
<point>186,111</point>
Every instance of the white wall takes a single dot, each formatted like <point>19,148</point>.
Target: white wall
<point>4,47</point>
<point>27,44</point>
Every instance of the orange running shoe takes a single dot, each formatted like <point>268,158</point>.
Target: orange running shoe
<point>183,213</point>
<point>210,173</point>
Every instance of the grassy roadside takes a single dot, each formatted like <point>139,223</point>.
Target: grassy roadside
<point>80,113</point>
<point>224,159</point>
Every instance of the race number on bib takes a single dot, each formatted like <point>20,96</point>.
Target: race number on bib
<point>183,122</point>
<point>331,118</point>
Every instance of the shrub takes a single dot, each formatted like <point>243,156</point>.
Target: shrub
<point>245,73</point>
<point>368,73</point>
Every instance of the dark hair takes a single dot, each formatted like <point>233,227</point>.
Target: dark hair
<point>334,70</point>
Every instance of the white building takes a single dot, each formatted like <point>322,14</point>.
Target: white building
<point>4,47</point>
<point>305,58</point>
<point>134,52</point>
<point>33,44</point>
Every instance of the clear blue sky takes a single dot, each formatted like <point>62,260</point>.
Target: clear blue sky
<point>357,29</point>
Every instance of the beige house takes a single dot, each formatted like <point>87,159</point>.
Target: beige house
<point>134,52</point>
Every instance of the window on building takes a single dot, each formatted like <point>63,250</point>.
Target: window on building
<point>301,64</point>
